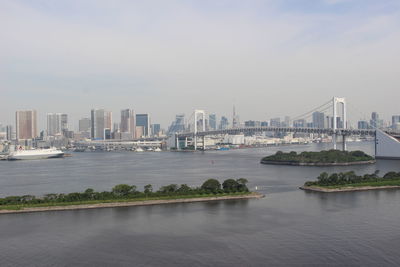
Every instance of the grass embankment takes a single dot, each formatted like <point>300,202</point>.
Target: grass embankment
<point>93,202</point>
<point>322,158</point>
<point>349,181</point>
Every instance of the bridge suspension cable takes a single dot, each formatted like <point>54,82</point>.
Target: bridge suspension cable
<point>305,115</point>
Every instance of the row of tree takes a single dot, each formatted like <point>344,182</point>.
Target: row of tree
<point>324,179</point>
<point>325,156</point>
<point>125,191</point>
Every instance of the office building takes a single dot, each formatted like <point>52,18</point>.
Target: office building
<point>57,123</point>
<point>144,121</point>
<point>212,121</point>
<point>224,124</point>
<point>275,122</point>
<point>318,120</point>
<point>155,129</point>
<point>395,121</point>
<point>128,122</point>
<point>362,125</point>
<point>26,124</point>
<point>101,121</point>
<point>84,125</point>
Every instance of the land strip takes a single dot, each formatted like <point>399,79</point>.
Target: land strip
<point>127,203</point>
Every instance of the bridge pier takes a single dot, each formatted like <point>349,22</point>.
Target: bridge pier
<point>195,142</point>
<point>177,142</point>
<point>334,141</point>
<point>344,148</point>
<point>186,142</point>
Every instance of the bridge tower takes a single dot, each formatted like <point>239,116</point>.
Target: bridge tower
<point>198,112</point>
<point>336,101</point>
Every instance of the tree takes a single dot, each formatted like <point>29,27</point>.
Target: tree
<point>148,189</point>
<point>184,189</point>
<point>211,185</point>
<point>169,188</point>
<point>230,185</point>
<point>123,190</point>
<point>242,184</point>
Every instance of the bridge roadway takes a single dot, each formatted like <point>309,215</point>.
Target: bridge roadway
<point>252,130</point>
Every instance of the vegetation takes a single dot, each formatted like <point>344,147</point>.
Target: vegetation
<point>124,192</point>
<point>350,179</point>
<point>330,156</point>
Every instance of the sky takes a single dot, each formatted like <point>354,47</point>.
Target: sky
<point>269,58</point>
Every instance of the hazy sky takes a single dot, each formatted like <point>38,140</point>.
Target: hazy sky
<point>271,58</point>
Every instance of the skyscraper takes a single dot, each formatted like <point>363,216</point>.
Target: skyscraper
<point>9,132</point>
<point>128,122</point>
<point>318,120</point>
<point>144,120</point>
<point>84,125</point>
<point>155,129</point>
<point>395,121</point>
<point>224,123</point>
<point>26,124</point>
<point>212,120</point>
<point>275,122</point>
<point>57,123</point>
<point>101,120</point>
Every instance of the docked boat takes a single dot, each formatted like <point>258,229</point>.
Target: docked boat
<point>157,149</point>
<point>35,154</point>
<point>139,149</point>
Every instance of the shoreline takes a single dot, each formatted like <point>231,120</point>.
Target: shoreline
<point>252,195</point>
<point>267,162</point>
<point>347,189</point>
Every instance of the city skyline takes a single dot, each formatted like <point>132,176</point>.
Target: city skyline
<point>69,57</point>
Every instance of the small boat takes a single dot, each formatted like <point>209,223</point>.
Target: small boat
<point>139,149</point>
<point>157,149</point>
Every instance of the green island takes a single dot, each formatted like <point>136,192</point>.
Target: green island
<point>321,158</point>
<point>128,195</point>
<point>349,181</point>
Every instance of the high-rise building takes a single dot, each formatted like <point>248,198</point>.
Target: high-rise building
<point>57,123</point>
<point>155,129</point>
<point>318,120</point>
<point>64,123</point>
<point>395,121</point>
<point>224,123</point>
<point>212,121</point>
<point>375,122</point>
<point>84,125</point>
<point>301,123</point>
<point>26,124</point>
<point>9,133</point>
<point>362,124</point>
<point>101,120</point>
<point>275,122</point>
<point>235,118</point>
<point>144,120</point>
<point>128,122</point>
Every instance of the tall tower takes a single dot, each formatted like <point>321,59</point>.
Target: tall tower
<point>26,125</point>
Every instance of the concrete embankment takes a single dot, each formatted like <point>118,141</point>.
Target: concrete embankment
<point>253,195</point>
<point>270,162</point>
<point>347,189</point>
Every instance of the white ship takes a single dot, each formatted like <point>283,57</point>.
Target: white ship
<point>35,154</point>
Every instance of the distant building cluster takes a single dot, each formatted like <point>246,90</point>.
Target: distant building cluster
<point>99,126</point>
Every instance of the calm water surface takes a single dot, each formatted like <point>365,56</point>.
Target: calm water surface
<point>287,227</point>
